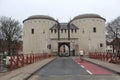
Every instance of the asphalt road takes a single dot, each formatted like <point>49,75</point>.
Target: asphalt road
<point>64,68</point>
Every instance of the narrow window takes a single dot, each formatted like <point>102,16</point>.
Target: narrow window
<point>55,31</point>
<point>83,31</point>
<point>75,30</point>
<point>61,30</point>
<point>71,30</point>
<point>32,31</point>
<point>101,45</point>
<point>43,31</point>
<point>94,29</point>
<point>51,31</point>
<point>65,30</point>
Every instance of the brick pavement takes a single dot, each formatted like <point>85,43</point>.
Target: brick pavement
<point>24,72</point>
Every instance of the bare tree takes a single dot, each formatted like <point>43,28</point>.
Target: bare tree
<point>113,32</point>
<point>113,29</point>
<point>11,31</point>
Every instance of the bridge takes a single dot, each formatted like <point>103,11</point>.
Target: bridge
<point>47,67</point>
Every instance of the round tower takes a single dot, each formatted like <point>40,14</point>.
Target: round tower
<point>36,33</point>
<point>91,33</point>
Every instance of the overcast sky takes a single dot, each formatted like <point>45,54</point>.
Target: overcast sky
<point>62,10</point>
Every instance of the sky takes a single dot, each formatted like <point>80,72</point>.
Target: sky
<point>62,10</point>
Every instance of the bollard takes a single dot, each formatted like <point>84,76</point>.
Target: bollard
<point>100,56</point>
<point>38,57</point>
<point>89,55</point>
<point>111,60</point>
<point>11,63</point>
<point>103,57</point>
<point>30,59</point>
<point>17,61</point>
<point>116,59</point>
<point>41,56</point>
<point>97,56</point>
<point>33,58</point>
<point>107,56</point>
<point>27,59</point>
<point>45,55</point>
<point>23,59</point>
<point>48,55</point>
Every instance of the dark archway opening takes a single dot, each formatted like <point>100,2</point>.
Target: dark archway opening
<point>64,49</point>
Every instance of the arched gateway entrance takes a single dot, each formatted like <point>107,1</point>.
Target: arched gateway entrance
<point>64,49</point>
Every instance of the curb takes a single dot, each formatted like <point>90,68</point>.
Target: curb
<point>104,67</point>
<point>38,69</point>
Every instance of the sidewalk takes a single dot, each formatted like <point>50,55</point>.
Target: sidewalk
<point>110,66</point>
<point>24,72</point>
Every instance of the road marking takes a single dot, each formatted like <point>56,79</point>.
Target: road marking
<point>89,72</point>
<point>82,66</point>
<point>75,60</point>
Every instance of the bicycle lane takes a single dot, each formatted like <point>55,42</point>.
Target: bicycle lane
<point>92,68</point>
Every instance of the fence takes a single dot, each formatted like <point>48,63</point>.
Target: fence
<point>25,59</point>
<point>109,57</point>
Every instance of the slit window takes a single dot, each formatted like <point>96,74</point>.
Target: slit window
<point>32,31</point>
<point>101,45</point>
<point>55,31</point>
<point>71,30</point>
<point>61,30</point>
<point>75,31</point>
<point>83,31</point>
<point>51,31</point>
<point>65,30</point>
<point>94,29</point>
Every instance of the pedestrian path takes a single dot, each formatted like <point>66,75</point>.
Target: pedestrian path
<point>24,72</point>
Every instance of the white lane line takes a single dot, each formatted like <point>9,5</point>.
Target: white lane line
<point>89,72</point>
<point>82,66</point>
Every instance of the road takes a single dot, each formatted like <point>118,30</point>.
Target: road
<point>65,68</point>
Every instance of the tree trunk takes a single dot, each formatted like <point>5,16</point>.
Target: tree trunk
<point>9,47</point>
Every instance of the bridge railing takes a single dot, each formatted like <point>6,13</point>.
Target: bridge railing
<point>109,57</point>
<point>25,59</point>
